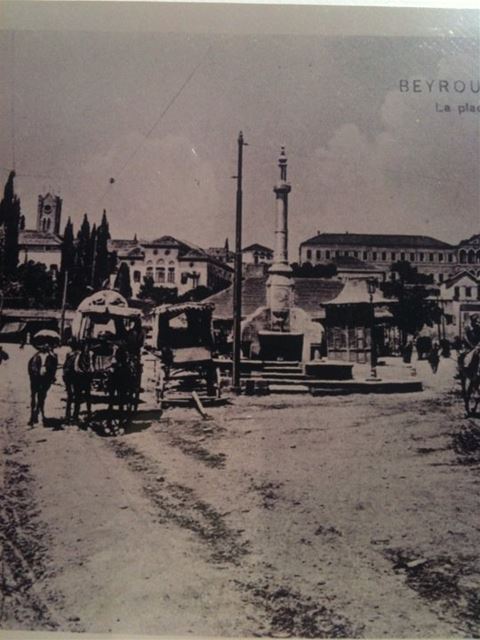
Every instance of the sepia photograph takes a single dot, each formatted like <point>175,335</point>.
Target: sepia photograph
<point>239,320</point>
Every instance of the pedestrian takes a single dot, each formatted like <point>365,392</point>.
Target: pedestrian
<point>24,339</point>
<point>407,351</point>
<point>445,348</point>
<point>42,368</point>
<point>3,355</point>
<point>434,357</point>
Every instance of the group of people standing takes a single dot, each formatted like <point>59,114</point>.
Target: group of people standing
<point>43,365</point>
<point>468,349</point>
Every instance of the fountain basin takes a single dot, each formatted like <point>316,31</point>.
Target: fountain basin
<point>280,345</point>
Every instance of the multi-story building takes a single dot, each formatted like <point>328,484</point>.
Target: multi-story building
<point>256,258</point>
<point>459,297</point>
<point>257,254</point>
<point>429,255</point>
<point>171,263</point>
<point>254,254</point>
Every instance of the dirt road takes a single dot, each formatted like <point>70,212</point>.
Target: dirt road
<point>314,517</point>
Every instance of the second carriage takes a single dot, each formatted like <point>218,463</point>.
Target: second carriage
<point>183,345</point>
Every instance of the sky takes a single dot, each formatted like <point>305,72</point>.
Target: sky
<point>159,113</point>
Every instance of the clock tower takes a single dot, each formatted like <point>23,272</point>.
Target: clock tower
<point>48,213</point>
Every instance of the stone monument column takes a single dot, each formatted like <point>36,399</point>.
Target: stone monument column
<point>280,282</point>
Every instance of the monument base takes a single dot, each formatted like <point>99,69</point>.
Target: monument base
<point>280,345</point>
<point>329,370</point>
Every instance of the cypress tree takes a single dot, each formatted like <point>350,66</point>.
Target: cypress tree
<point>91,265</point>
<point>68,249</point>
<point>10,221</point>
<point>103,262</point>
<point>81,275</point>
<point>67,259</point>
<point>122,281</point>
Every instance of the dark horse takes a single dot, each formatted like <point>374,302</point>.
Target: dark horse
<point>117,376</point>
<point>469,370</point>
<point>123,384</point>
<point>77,378</point>
<point>42,368</point>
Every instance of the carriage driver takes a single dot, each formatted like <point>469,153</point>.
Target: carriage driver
<point>472,338</point>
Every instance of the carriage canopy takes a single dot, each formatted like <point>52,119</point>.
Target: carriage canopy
<point>185,329</point>
<point>104,314</point>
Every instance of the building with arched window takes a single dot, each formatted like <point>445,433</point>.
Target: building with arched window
<point>171,263</point>
<point>428,255</point>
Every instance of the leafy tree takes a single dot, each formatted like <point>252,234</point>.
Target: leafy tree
<point>407,274</point>
<point>308,270</point>
<point>158,295</point>
<point>37,285</point>
<point>416,305</point>
<point>122,281</point>
<point>10,223</point>
<point>195,295</point>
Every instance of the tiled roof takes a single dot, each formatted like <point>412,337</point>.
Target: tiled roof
<point>126,248</point>
<point>253,297</point>
<point>356,291</point>
<point>122,244</point>
<point>473,241</point>
<point>136,252</point>
<point>377,240</point>
<point>203,256</point>
<point>458,276</point>
<point>167,241</point>
<point>31,238</point>
<point>309,294</point>
<point>195,254</point>
<point>312,293</point>
<point>257,247</point>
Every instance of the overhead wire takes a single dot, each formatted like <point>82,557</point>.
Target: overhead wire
<point>12,101</point>
<point>169,104</point>
<point>131,156</point>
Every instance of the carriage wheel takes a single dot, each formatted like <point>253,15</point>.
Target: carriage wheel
<point>160,408</point>
<point>115,426</point>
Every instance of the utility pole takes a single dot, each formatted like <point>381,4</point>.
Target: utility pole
<point>237,280</point>
<point>64,302</point>
<point>94,259</point>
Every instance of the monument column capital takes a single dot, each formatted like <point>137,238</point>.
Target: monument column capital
<point>282,188</point>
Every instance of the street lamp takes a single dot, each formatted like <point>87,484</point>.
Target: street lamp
<point>372,285</point>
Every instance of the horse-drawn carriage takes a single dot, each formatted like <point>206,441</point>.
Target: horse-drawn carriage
<point>182,343</point>
<point>105,362</point>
